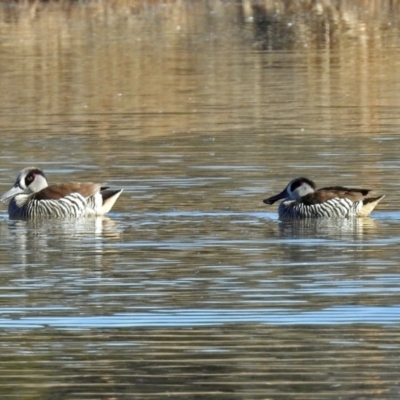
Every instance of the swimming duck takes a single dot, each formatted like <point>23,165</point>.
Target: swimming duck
<point>31,197</point>
<point>301,199</point>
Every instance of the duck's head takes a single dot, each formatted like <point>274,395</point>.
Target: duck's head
<point>296,189</point>
<point>29,180</point>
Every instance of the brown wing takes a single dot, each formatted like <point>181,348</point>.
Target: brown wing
<point>58,191</point>
<point>347,191</point>
<point>332,192</point>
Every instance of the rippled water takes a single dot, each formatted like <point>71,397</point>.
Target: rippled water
<point>191,287</point>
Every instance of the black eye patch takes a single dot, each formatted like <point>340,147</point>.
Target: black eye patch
<point>29,179</point>
<point>297,183</point>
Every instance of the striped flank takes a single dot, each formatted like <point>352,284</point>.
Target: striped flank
<point>71,206</point>
<point>333,208</point>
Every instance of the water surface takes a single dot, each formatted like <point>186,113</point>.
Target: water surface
<point>191,287</point>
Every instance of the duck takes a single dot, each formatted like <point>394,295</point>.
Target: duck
<point>31,197</point>
<point>301,199</point>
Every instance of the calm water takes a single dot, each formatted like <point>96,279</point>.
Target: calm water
<point>191,287</point>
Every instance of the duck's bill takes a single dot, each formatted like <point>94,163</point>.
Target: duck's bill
<point>273,199</point>
<point>10,193</point>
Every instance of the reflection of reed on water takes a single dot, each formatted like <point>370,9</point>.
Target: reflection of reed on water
<point>161,77</point>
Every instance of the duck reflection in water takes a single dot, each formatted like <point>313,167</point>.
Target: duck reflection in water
<point>348,229</point>
<point>48,240</point>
